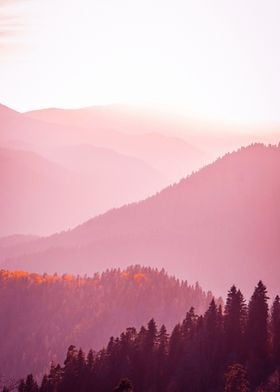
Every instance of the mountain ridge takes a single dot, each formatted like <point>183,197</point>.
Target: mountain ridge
<point>219,221</point>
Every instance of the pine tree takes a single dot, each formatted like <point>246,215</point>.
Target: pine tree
<point>189,324</point>
<point>236,379</point>
<point>21,386</point>
<point>70,370</point>
<point>275,330</point>
<point>90,360</point>
<point>150,347</point>
<point>45,385</point>
<point>54,378</point>
<point>234,324</point>
<point>124,386</point>
<point>212,338</point>
<point>30,384</point>
<point>161,360</point>
<point>257,335</point>
<point>151,336</point>
<point>175,357</point>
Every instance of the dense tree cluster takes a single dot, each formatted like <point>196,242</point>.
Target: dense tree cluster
<point>233,350</point>
<point>41,315</point>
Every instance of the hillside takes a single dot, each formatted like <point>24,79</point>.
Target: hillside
<point>42,196</point>
<point>41,315</point>
<point>99,161</point>
<point>27,197</point>
<point>203,353</point>
<point>220,225</point>
<point>149,144</point>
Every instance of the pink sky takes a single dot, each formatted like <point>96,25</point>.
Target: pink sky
<point>218,61</point>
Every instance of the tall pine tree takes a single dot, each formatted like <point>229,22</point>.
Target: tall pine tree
<point>257,335</point>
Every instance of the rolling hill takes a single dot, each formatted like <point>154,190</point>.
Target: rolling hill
<point>220,225</point>
<point>41,135</point>
<point>41,315</point>
<point>98,160</point>
<point>42,196</point>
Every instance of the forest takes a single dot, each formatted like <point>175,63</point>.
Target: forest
<point>235,349</point>
<point>41,315</point>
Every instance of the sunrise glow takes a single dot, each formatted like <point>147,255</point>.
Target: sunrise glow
<point>219,62</point>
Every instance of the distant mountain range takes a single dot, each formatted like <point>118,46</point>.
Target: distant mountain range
<point>57,175</point>
<point>220,226</point>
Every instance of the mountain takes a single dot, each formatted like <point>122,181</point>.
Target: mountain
<point>41,315</point>
<point>203,353</point>
<point>16,239</point>
<point>104,166</point>
<point>220,225</point>
<point>42,196</point>
<point>122,118</point>
<point>204,140</point>
<point>171,156</point>
<point>36,194</point>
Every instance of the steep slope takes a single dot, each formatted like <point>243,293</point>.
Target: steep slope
<point>36,195</point>
<point>220,225</point>
<point>40,196</point>
<point>41,315</point>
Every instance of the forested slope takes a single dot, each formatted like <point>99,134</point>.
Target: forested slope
<point>41,315</point>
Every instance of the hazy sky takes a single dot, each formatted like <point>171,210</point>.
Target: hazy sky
<point>216,59</point>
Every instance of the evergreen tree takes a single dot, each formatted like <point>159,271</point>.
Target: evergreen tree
<point>54,378</point>
<point>21,386</point>
<point>275,330</point>
<point>150,347</point>
<point>175,358</point>
<point>45,385</point>
<point>90,360</point>
<point>151,335</point>
<point>124,386</point>
<point>70,380</point>
<point>193,359</point>
<point>234,324</point>
<point>236,379</point>
<point>212,338</point>
<point>257,335</point>
<point>30,384</point>
<point>161,361</point>
<point>189,324</point>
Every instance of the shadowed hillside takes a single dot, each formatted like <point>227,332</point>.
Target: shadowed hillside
<point>104,167</point>
<point>219,225</point>
<point>42,196</point>
<point>41,315</point>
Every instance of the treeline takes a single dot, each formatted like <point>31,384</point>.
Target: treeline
<point>233,350</point>
<point>41,315</point>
